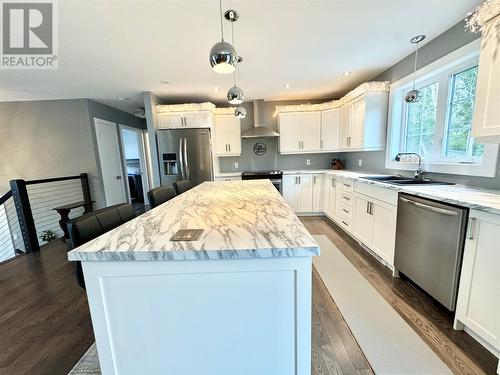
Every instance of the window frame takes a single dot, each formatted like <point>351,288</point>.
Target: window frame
<point>439,71</point>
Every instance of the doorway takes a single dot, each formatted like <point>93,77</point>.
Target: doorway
<point>110,161</point>
<point>134,160</point>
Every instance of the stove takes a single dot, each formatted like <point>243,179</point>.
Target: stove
<point>274,176</point>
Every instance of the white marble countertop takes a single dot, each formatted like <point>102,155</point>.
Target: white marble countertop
<point>240,219</point>
<point>477,198</point>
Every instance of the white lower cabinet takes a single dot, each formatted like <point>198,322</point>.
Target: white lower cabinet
<point>318,193</point>
<point>374,224</point>
<point>330,196</point>
<point>298,192</point>
<point>478,303</point>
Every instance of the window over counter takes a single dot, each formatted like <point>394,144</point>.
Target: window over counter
<point>439,126</point>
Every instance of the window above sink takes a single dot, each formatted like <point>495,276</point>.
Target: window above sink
<point>438,127</point>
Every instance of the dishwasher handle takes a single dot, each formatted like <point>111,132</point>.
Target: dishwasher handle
<point>442,211</point>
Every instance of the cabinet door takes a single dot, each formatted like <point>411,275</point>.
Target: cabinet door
<point>358,124</point>
<point>234,135</point>
<point>220,136</point>
<point>290,188</point>
<point>332,200</point>
<point>486,120</point>
<point>384,230</point>
<point>289,131</point>
<point>169,121</point>
<point>330,130</point>
<point>318,193</point>
<point>198,119</point>
<point>305,193</point>
<point>345,125</point>
<point>363,220</point>
<point>326,193</point>
<point>310,131</point>
<point>337,214</point>
<point>478,303</point>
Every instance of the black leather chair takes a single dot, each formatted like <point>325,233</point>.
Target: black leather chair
<point>182,186</point>
<point>160,195</point>
<point>85,228</point>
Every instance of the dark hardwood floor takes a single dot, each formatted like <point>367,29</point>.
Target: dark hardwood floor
<point>45,324</point>
<point>433,323</point>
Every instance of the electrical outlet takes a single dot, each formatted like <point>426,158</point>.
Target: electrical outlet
<point>308,161</point>
<point>360,162</point>
<point>236,165</point>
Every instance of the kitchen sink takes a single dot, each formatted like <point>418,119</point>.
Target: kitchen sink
<point>400,180</point>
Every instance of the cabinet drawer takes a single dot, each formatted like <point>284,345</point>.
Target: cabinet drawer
<point>347,185</point>
<point>345,223</point>
<point>346,199</point>
<point>376,192</point>
<point>346,211</point>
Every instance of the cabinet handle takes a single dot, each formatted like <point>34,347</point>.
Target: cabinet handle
<point>296,180</point>
<point>333,183</point>
<point>300,180</point>
<point>314,180</point>
<point>347,212</point>
<point>368,207</point>
<point>229,145</point>
<point>345,223</point>
<point>347,185</point>
<point>346,198</point>
<point>471,228</point>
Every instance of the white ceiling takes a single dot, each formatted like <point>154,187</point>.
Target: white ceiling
<point>120,48</point>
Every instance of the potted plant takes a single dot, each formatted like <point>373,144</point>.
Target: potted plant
<point>47,236</point>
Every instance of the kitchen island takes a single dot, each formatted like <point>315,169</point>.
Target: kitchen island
<point>236,301</point>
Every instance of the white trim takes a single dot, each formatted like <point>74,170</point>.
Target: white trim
<point>142,160</point>
<point>453,62</point>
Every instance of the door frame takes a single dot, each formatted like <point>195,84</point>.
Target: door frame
<point>142,160</point>
<point>99,165</point>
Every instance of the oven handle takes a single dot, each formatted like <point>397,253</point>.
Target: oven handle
<point>430,208</point>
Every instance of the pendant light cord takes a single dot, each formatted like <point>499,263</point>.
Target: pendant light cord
<point>232,42</point>
<point>415,66</point>
<point>221,26</point>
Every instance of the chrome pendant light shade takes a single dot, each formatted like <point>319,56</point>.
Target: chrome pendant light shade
<point>223,58</point>
<point>413,95</point>
<point>240,112</point>
<point>235,95</point>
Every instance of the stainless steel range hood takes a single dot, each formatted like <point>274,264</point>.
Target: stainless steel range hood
<point>259,130</point>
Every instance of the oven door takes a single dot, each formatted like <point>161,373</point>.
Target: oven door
<point>277,184</point>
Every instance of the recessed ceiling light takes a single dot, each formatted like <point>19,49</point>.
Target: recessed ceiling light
<point>287,85</point>
<point>165,82</point>
<point>122,98</point>
<point>345,74</point>
<point>216,89</point>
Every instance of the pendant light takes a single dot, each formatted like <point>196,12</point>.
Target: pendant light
<point>235,95</point>
<point>413,95</point>
<point>240,112</point>
<point>223,56</point>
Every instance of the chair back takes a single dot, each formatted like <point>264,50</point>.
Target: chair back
<point>182,186</point>
<point>160,195</point>
<point>85,228</point>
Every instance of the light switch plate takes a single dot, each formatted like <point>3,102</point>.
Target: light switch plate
<point>236,165</point>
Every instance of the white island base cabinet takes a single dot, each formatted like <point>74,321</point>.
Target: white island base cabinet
<point>478,303</point>
<point>244,316</point>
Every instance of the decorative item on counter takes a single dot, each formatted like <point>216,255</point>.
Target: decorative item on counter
<point>413,95</point>
<point>481,14</point>
<point>47,236</point>
<point>337,164</point>
<point>259,148</point>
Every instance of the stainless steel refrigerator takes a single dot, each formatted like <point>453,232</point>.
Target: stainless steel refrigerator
<point>185,154</point>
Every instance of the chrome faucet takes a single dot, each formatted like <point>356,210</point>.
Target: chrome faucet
<point>419,173</point>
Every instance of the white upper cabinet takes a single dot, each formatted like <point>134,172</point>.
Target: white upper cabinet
<point>330,128</point>
<point>363,123</point>
<point>174,120</point>
<point>299,132</point>
<point>486,120</point>
<point>227,135</point>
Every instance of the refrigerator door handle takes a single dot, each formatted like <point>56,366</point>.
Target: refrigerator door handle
<point>186,160</point>
<point>181,159</point>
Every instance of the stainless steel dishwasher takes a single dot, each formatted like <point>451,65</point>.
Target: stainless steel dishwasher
<point>430,239</point>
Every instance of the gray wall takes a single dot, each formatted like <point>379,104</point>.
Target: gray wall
<point>248,161</point>
<point>41,139</point>
<point>440,46</point>
<point>105,112</point>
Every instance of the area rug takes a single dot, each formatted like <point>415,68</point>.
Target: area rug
<point>88,364</point>
<point>390,345</point>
